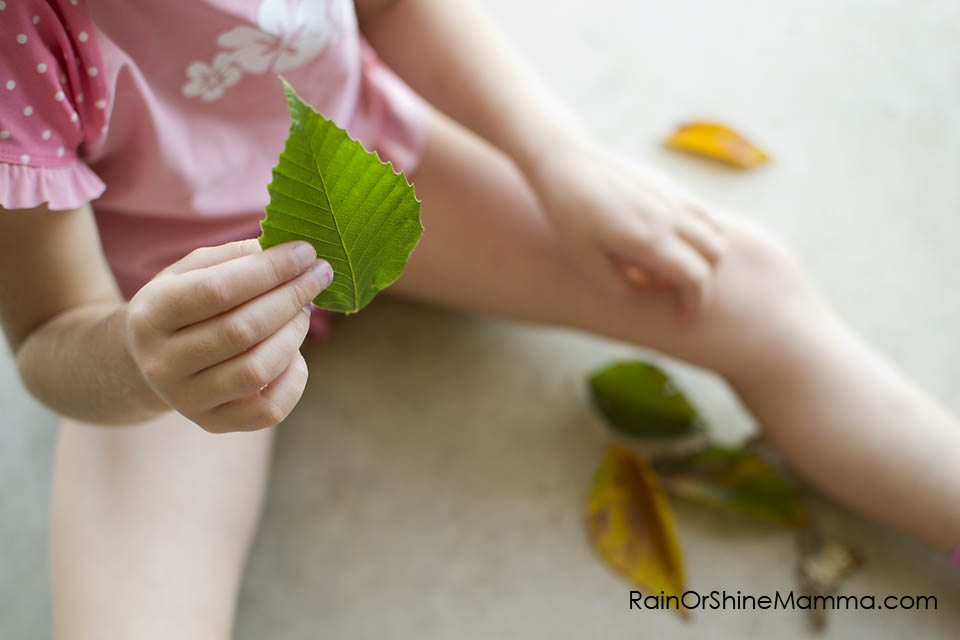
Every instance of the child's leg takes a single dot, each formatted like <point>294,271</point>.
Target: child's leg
<point>842,415</point>
<point>151,526</point>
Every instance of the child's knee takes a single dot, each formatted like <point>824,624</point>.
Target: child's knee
<point>762,302</point>
<point>767,264</point>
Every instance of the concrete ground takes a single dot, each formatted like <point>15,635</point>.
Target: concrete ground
<point>431,482</point>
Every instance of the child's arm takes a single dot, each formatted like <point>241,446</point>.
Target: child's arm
<point>621,221</point>
<point>215,336</point>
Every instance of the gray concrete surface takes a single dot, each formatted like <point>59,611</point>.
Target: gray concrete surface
<point>430,484</point>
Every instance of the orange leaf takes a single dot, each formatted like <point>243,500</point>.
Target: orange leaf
<point>631,526</point>
<point>716,141</point>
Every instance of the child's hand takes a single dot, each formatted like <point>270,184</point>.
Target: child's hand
<point>217,335</point>
<point>629,226</point>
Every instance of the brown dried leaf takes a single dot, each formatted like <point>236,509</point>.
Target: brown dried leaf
<point>716,141</point>
<point>821,565</point>
<point>631,526</point>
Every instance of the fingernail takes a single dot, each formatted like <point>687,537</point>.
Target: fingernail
<point>322,272</point>
<point>636,275</point>
<point>304,254</point>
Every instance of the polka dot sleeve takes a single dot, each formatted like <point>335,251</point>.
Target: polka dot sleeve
<point>53,104</point>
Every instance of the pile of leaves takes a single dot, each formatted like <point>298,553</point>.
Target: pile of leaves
<point>629,520</point>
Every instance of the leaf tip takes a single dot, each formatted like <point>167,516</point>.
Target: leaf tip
<point>295,104</point>
<point>287,87</point>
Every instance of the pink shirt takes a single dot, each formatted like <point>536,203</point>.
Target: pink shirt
<point>170,114</point>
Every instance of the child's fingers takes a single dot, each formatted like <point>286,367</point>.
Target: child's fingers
<point>708,214</point>
<point>204,293</point>
<point>209,256</point>
<point>686,270</point>
<point>250,371</point>
<point>217,339</point>
<point>267,407</point>
<point>603,270</point>
<point>702,238</point>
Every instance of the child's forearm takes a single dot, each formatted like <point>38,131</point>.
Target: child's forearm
<point>59,307</point>
<point>78,365</point>
<point>455,57</point>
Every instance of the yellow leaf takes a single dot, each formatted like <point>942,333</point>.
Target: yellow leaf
<point>716,141</point>
<point>631,527</point>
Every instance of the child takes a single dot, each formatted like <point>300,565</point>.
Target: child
<point>168,117</point>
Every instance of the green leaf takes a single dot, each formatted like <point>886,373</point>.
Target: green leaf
<point>735,480</point>
<point>361,216</point>
<point>640,400</point>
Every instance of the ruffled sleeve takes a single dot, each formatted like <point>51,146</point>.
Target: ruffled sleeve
<point>390,117</point>
<point>23,186</point>
<point>55,104</point>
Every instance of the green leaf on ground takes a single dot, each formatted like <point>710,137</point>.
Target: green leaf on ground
<point>640,400</point>
<point>735,480</point>
<point>361,215</point>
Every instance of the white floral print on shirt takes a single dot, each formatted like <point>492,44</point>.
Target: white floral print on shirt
<point>209,80</point>
<point>291,33</point>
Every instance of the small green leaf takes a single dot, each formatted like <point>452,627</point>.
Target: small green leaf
<point>735,480</point>
<point>360,215</point>
<point>640,400</point>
